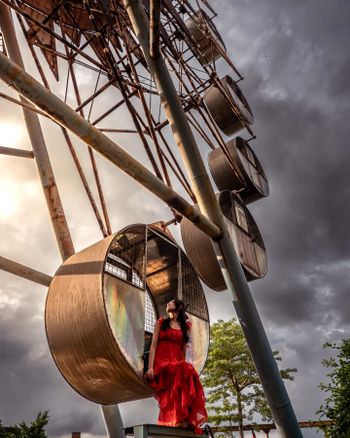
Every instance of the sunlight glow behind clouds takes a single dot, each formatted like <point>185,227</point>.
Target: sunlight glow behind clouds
<point>8,201</point>
<point>10,134</point>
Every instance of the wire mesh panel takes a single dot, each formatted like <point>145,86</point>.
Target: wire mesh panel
<point>192,291</point>
<point>150,313</point>
<point>2,45</point>
<point>126,256</point>
<point>150,321</point>
<point>162,268</point>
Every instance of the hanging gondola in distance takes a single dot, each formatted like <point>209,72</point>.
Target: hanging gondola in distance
<point>227,105</point>
<point>245,236</point>
<point>239,170</point>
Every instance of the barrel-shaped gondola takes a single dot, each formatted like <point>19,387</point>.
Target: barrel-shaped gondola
<point>228,106</point>
<point>238,169</point>
<point>206,36</point>
<point>246,238</point>
<point>102,305</point>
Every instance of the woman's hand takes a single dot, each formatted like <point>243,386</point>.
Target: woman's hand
<point>150,373</point>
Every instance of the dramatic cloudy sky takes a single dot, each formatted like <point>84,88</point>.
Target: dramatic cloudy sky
<point>295,59</point>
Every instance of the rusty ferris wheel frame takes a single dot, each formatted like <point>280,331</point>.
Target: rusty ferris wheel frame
<point>118,63</point>
<point>108,38</point>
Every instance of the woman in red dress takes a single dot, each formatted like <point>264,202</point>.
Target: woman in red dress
<point>178,389</point>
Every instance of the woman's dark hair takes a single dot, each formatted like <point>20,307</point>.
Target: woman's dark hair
<point>181,318</point>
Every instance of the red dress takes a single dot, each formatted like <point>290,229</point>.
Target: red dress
<point>179,391</point>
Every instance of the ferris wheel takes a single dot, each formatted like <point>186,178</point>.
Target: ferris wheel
<point>160,83</point>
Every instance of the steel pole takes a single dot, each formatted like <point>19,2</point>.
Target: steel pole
<point>37,140</point>
<point>247,313</point>
<point>113,421</point>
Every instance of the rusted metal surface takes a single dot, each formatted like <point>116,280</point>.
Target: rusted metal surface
<point>37,140</point>
<point>244,234</point>
<point>95,313</point>
<point>232,113</point>
<point>245,175</point>
<point>24,271</point>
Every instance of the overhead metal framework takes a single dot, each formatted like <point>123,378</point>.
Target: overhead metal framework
<point>95,38</point>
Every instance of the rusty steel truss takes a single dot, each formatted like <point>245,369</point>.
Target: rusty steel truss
<point>97,37</point>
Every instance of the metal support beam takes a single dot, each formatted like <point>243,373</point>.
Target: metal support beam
<point>113,421</point>
<point>236,282</point>
<point>37,140</point>
<point>24,271</point>
<point>16,152</point>
<point>63,114</point>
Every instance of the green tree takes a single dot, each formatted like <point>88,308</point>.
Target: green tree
<point>2,431</point>
<point>35,430</point>
<point>234,389</point>
<point>337,404</point>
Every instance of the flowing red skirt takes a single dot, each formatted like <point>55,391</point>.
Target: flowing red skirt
<point>179,391</point>
<point>180,395</point>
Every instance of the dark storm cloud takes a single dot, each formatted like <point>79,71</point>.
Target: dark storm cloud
<point>297,86</point>
<point>29,380</point>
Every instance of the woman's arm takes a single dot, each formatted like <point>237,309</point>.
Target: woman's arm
<point>153,349</point>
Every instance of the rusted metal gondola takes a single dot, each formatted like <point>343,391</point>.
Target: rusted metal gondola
<point>245,235</point>
<point>228,106</point>
<point>207,37</point>
<point>239,170</point>
<point>102,305</point>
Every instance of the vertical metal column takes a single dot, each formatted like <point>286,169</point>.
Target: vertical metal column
<point>113,421</point>
<point>111,414</point>
<point>248,315</point>
<point>37,140</point>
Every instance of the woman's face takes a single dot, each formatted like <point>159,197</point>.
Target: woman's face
<point>170,307</point>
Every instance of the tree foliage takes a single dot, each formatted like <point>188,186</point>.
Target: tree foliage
<point>337,404</point>
<point>36,429</point>
<point>235,392</point>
